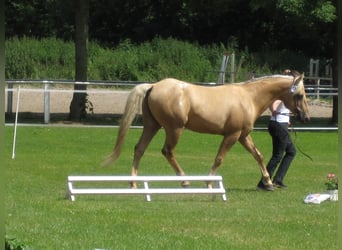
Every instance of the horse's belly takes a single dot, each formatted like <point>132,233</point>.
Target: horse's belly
<point>205,126</point>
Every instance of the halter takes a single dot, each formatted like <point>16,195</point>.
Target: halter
<point>293,88</point>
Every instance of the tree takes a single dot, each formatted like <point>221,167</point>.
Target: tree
<point>78,103</point>
<point>337,61</point>
<point>39,18</point>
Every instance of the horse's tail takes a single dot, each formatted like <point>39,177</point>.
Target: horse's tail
<point>133,105</point>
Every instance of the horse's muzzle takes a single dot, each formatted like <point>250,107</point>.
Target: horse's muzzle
<point>302,116</point>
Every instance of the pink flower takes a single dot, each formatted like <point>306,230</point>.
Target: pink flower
<point>332,182</point>
<point>331,175</point>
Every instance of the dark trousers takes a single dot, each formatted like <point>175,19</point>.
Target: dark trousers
<point>283,150</point>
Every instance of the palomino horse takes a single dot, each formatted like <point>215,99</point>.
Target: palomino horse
<point>229,110</point>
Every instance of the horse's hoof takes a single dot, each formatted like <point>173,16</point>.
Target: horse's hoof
<point>263,187</point>
<point>269,187</point>
<point>267,182</point>
<point>133,185</point>
<point>185,184</point>
<point>266,188</point>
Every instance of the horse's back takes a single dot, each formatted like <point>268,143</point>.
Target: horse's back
<point>176,103</point>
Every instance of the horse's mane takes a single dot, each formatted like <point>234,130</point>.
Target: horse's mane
<point>266,77</point>
<point>271,76</point>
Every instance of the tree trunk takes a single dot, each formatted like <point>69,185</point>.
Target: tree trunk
<point>78,103</point>
<point>336,63</point>
<point>338,66</point>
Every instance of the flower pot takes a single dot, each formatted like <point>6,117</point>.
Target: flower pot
<point>333,194</point>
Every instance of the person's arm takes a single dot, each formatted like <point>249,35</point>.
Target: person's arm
<point>274,106</point>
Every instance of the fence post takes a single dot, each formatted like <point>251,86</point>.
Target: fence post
<point>232,68</point>
<point>16,124</point>
<point>9,99</point>
<point>318,84</point>
<point>222,72</point>
<point>314,67</point>
<point>328,70</point>
<point>46,102</point>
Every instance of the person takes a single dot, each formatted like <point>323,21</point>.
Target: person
<point>283,151</point>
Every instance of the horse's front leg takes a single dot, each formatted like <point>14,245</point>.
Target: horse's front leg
<point>248,143</point>
<point>227,142</point>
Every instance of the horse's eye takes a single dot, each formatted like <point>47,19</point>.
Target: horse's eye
<point>299,97</point>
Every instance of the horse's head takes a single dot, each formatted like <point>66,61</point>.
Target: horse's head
<point>295,99</point>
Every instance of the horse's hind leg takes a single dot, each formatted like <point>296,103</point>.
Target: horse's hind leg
<point>140,147</point>
<point>171,140</point>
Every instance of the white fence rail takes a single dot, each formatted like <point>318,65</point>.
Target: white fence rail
<point>147,190</point>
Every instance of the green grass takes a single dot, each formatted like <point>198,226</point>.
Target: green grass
<point>39,215</point>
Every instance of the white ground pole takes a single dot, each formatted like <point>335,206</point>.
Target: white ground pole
<point>146,190</point>
<point>16,123</point>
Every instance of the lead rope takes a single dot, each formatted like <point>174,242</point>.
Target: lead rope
<point>296,137</point>
<point>297,146</point>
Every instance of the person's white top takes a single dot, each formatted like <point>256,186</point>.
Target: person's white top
<point>282,114</point>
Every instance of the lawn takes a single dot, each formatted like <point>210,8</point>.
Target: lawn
<point>39,215</point>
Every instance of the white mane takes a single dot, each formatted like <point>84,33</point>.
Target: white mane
<point>271,76</point>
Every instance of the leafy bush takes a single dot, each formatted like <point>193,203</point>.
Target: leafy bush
<point>28,58</point>
<point>51,58</point>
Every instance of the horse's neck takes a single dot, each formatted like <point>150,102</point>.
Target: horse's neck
<point>264,92</point>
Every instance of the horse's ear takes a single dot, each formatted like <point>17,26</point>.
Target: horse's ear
<point>295,74</point>
<point>298,77</point>
<point>297,81</point>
